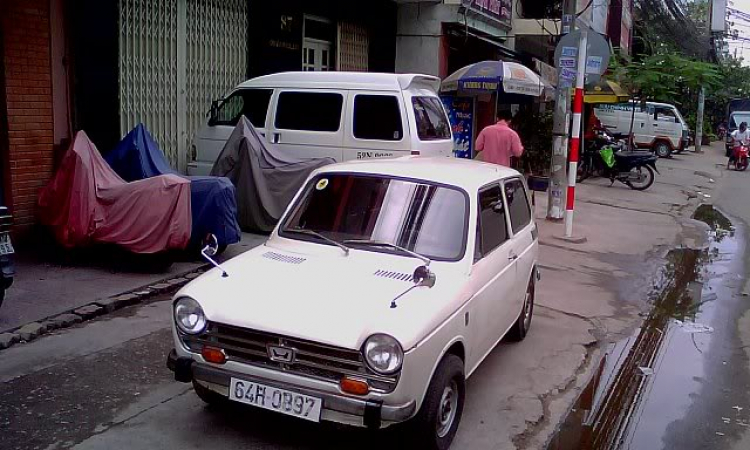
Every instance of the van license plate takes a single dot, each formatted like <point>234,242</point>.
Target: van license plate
<point>275,399</point>
<point>6,248</point>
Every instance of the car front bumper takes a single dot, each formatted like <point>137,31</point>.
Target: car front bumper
<point>336,408</point>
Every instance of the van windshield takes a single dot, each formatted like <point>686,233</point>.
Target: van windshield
<point>423,217</point>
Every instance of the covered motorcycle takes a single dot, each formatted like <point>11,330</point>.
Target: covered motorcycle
<point>266,180</point>
<point>213,202</point>
<point>86,203</point>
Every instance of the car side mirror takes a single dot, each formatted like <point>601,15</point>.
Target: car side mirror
<point>210,245</point>
<point>213,114</point>
<point>423,276</point>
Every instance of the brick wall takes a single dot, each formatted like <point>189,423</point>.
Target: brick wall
<point>28,85</point>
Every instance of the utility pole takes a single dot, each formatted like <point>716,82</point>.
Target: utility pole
<point>556,199</point>
<point>699,120</point>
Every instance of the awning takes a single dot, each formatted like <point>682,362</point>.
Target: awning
<point>493,76</point>
<point>605,91</point>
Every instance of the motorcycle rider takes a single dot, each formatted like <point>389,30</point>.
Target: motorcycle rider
<point>740,137</point>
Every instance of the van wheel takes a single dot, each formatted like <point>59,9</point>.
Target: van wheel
<point>662,149</point>
<point>436,424</point>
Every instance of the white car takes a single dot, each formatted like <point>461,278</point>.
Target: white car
<point>384,286</point>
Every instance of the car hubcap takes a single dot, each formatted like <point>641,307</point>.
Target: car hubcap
<point>447,409</point>
<point>528,304</point>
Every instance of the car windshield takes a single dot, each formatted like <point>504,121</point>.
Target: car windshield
<point>423,217</point>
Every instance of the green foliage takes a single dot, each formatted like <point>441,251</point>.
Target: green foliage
<point>535,130</point>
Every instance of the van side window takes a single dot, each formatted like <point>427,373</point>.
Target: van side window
<point>493,230</point>
<point>432,124</point>
<point>518,205</point>
<point>252,103</point>
<point>309,111</point>
<point>377,117</point>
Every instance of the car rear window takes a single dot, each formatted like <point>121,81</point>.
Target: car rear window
<point>309,111</point>
<point>432,123</point>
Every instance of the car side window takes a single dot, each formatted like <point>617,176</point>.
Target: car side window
<point>309,111</point>
<point>252,103</point>
<point>518,205</point>
<point>377,117</point>
<point>492,226</point>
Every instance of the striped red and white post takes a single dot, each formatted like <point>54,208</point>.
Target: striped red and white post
<point>575,138</point>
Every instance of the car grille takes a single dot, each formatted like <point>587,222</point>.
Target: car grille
<point>322,362</point>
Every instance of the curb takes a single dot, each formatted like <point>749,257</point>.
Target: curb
<point>32,330</point>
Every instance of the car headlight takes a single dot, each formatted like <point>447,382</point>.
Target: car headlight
<point>189,316</point>
<point>383,354</point>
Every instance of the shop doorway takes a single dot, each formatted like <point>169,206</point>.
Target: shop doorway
<point>317,45</point>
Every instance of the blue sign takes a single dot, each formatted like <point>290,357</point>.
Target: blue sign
<point>461,114</point>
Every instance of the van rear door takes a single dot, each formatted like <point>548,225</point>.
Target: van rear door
<point>376,126</point>
<point>308,123</point>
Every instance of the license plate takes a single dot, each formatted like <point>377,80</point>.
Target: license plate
<point>275,399</point>
<point>6,248</point>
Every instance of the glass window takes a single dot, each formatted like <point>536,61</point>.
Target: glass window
<point>377,117</point>
<point>518,205</point>
<point>309,111</point>
<point>252,103</point>
<point>420,216</point>
<point>432,123</point>
<point>493,229</point>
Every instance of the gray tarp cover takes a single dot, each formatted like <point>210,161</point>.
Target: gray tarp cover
<point>266,180</point>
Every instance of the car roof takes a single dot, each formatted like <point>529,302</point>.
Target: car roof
<point>460,172</point>
<point>344,80</point>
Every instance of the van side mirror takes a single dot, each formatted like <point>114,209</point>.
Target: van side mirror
<point>213,114</point>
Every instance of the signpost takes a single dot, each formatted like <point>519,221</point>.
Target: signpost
<point>581,56</point>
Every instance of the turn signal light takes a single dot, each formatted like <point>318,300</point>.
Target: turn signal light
<point>214,355</point>
<point>352,386</point>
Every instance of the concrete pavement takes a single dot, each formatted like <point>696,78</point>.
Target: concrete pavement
<point>591,294</point>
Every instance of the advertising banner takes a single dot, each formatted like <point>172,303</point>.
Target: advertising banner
<point>461,113</point>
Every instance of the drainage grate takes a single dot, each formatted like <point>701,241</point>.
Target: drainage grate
<point>394,275</point>
<point>284,258</point>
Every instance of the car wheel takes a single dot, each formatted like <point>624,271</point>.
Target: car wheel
<point>519,330</point>
<point>662,149</point>
<point>207,395</point>
<point>436,424</point>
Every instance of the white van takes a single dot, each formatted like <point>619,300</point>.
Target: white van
<point>656,126</point>
<point>343,115</point>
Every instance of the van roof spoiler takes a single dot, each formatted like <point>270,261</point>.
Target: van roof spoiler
<point>408,80</point>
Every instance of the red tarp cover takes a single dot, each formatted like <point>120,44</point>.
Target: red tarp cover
<point>87,202</point>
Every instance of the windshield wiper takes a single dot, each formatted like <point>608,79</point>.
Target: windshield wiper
<point>365,242</point>
<point>319,236</point>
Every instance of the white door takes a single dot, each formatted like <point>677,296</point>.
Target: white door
<point>376,126</point>
<point>308,123</point>
<point>666,124</point>
<point>523,240</point>
<point>493,276</point>
<point>317,56</point>
<point>211,138</point>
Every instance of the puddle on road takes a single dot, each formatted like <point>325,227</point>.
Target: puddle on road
<point>646,382</point>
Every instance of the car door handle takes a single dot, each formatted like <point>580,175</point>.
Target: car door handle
<point>275,138</point>
<point>512,257</point>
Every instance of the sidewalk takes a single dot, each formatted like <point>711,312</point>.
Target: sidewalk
<point>46,285</point>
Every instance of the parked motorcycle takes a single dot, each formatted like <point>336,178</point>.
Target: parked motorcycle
<point>740,159</point>
<point>605,157</point>
<point>7,269</point>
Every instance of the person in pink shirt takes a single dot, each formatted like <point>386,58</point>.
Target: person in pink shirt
<point>499,142</point>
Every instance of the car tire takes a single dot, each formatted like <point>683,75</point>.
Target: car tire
<point>208,396</point>
<point>523,323</point>
<point>436,424</point>
<point>662,149</point>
